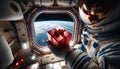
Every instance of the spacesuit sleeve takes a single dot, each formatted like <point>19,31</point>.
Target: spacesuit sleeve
<point>108,58</point>
<point>77,59</point>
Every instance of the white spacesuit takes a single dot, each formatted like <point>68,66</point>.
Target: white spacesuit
<point>100,48</point>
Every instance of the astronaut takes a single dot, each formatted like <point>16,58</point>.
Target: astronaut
<point>100,47</point>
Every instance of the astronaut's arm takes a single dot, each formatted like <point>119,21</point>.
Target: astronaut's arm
<point>77,59</point>
<point>107,58</point>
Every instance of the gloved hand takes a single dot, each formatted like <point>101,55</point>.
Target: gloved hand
<point>59,51</point>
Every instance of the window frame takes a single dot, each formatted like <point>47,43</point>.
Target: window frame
<point>70,11</point>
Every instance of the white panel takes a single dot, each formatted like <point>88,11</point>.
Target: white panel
<point>6,56</point>
<point>10,10</point>
<point>67,3</point>
<point>44,2</point>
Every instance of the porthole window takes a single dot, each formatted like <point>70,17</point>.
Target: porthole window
<point>45,20</point>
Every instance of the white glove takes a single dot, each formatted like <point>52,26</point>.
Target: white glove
<point>59,52</point>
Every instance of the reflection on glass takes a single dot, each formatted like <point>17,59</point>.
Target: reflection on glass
<point>41,28</point>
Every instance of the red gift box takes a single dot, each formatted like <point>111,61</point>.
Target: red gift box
<point>59,37</point>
